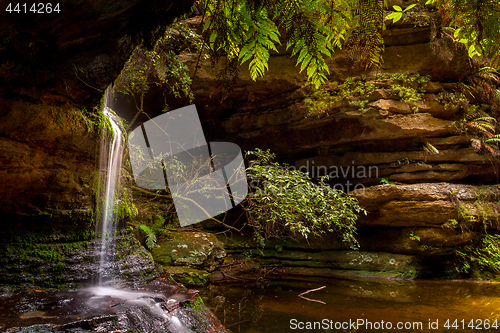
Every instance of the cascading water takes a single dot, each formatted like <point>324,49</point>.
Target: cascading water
<point>159,306</point>
<point>110,164</point>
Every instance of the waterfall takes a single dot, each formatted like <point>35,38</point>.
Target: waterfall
<point>110,164</point>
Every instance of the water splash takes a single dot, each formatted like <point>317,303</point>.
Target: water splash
<point>110,164</point>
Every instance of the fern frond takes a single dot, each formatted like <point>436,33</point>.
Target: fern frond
<point>493,150</point>
<point>150,236</point>
<point>486,119</point>
<point>365,43</point>
<point>482,126</point>
<point>489,73</point>
<point>150,240</point>
<point>262,35</point>
<point>495,138</point>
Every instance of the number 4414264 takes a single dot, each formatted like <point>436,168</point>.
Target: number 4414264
<point>475,324</point>
<point>36,8</point>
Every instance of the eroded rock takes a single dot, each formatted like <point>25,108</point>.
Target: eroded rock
<point>194,249</point>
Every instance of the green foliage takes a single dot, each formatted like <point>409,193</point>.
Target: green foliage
<point>286,203</point>
<point>365,43</point>
<point>126,210</point>
<point>398,14</point>
<point>408,95</point>
<point>246,30</point>
<point>262,35</point>
<point>483,127</point>
<point>483,253</point>
<point>150,236</point>
<point>453,100</point>
<point>354,90</point>
<point>477,23</point>
<point>385,181</point>
<point>97,122</point>
<point>159,66</point>
<point>414,237</point>
<point>451,224</point>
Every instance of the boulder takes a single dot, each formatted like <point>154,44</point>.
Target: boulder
<point>429,205</point>
<point>194,249</point>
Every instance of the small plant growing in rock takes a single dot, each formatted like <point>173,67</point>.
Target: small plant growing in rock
<point>149,236</point>
<point>386,182</point>
<point>414,237</point>
<point>408,95</point>
<point>483,253</point>
<point>398,14</point>
<point>428,148</point>
<point>450,224</point>
<point>483,127</point>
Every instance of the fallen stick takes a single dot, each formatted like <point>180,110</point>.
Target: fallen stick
<point>311,300</point>
<point>311,290</point>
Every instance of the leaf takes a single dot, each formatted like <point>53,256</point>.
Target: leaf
<point>410,7</point>
<point>397,8</point>
<point>394,16</point>
<point>213,36</point>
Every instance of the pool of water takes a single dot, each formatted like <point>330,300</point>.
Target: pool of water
<point>357,306</point>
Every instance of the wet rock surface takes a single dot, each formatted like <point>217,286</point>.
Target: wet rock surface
<point>160,306</point>
<point>189,256</point>
<point>74,264</point>
<point>54,69</point>
<point>195,249</point>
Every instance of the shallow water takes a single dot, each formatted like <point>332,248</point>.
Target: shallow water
<point>160,307</point>
<point>420,306</point>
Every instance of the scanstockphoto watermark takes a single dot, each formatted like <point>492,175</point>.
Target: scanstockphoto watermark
<point>352,176</point>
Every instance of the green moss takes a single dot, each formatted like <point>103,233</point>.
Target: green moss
<point>97,121</point>
<point>61,121</point>
<point>187,276</point>
<point>356,90</point>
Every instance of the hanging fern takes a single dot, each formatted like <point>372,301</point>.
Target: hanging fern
<point>249,30</point>
<point>485,125</point>
<point>494,139</point>
<point>365,43</point>
<point>261,36</point>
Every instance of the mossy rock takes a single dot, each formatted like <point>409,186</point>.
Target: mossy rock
<point>193,249</point>
<point>362,261</point>
<point>187,276</point>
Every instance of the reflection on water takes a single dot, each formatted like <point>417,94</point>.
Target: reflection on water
<point>378,306</point>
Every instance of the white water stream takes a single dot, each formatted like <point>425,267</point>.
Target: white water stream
<point>111,160</point>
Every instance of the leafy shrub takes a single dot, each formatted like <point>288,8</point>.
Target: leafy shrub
<point>286,203</point>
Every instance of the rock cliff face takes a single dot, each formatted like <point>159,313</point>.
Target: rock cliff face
<point>319,133</point>
<point>365,126</point>
<point>54,69</point>
<point>359,130</point>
